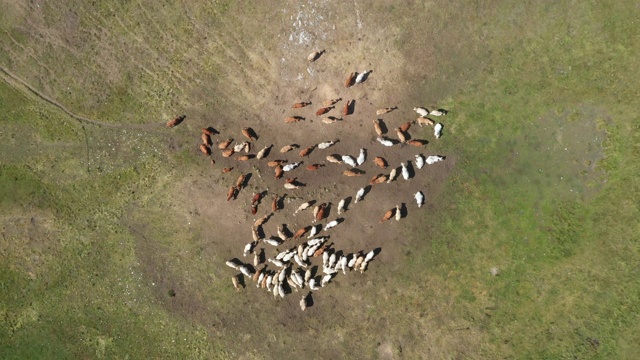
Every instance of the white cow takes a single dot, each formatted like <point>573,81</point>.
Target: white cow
<point>398,213</point>
<point>359,195</point>
<point>405,171</point>
<point>419,161</point>
<point>384,141</point>
<point>437,130</point>
<point>325,145</point>
<point>432,159</point>
<point>331,224</point>
<point>421,111</point>
<point>312,284</point>
<point>392,175</point>
<point>361,158</point>
<point>347,159</point>
<point>341,206</point>
<point>419,196</point>
<point>290,167</point>
<point>361,76</point>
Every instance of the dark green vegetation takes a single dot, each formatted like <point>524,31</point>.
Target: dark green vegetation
<point>544,126</point>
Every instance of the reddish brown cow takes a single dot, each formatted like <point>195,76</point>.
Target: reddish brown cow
<point>176,121</point>
<point>205,149</point>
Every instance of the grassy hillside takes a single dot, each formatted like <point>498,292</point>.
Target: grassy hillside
<point>543,127</point>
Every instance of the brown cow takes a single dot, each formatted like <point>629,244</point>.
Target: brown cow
<point>425,121</point>
<point>351,172</point>
<point>301,105</point>
<point>244,157</point>
<point>176,121</point>
<point>376,125</point>
<point>228,152</point>
<point>240,181</point>
<point>405,127</point>
<point>206,139</point>
<point>256,198</point>
<point>336,159</point>
<point>314,167</point>
<point>249,133</point>
<point>263,220</point>
<point>301,232</point>
<point>378,179</point>
<point>288,148</point>
<point>254,209</point>
<point>292,119</point>
<point>213,162</point>
<point>349,81</point>
<point>231,193</point>
<point>205,149</point>
<point>209,131</point>
<point>279,172</point>
<point>323,110</point>
<point>307,151</point>
<point>330,102</point>
<point>276,163</point>
<point>388,215</point>
<point>401,135</point>
<point>385,110</point>
<point>275,203</point>
<point>415,142</point>
<point>347,108</point>
<point>321,211</point>
<point>381,162</point>
<point>227,169</point>
<point>225,144</point>
<point>291,180</point>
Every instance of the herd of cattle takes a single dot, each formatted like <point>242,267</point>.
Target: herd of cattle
<point>292,268</point>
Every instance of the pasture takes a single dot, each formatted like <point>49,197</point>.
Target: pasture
<point>114,229</point>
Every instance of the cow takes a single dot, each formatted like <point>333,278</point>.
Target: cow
<point>227,153</point>
<point>377,127</point>
<point>262,153</point>
<point>225,144</point>
<point>385,110</point>
<point>392,175</point>
<point>438,112</point>
<point>336,159</point>
<point>206,139</point>
<point>249,133</point>
<point>236,283</point>
<point>330,120</point>
<point>288,148</point>
<point>380,162</point>
<point>314,167</point>
<point>437,130</point>
<point>341,206</point>
<point>176,121</point>
<point>362,157</point>
<point>231,193</point>
<point>388,215</point>
<point>384,141</point>
<point>425,121</point>
<point>293,119</point>
<point>299,105</point>
<point>254,209</point>
<point>331,224</point>
<point>244,157</point>
<point>240,181</point>
<point>209,131</point>
<point>291,186</point>
<point>276,163</point>
<point>321,212</point>
<point>352,172</point>
<point>421,111</point>
<point>346,110</point>
<point>323,110</point>
<point>306,151</point>
<point>405,127</point>
<point>419,196</point>
<point>349,160</point>
<point>227,169</point>
<point>279,171</point>
<point>298,234</point>
<point>350,79</point>
<point>315,55</point>
<point>405,171</point>
<point>432,159</point>
<point>419,161</point>
<point>359,195</point>
<point>398,213</point>
<point>401,136</point>
<point>205,149</point>
<point>290,167</point>
<point>304,206</point>
<point>326,144</point>
<point>360,78</point>
<point>262,220</point>
<point>330,102</point>
<point>415,142</point>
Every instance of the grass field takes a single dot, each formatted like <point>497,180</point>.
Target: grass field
<point>105,252</point>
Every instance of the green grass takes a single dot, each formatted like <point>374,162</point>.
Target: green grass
<point>523,82</point>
